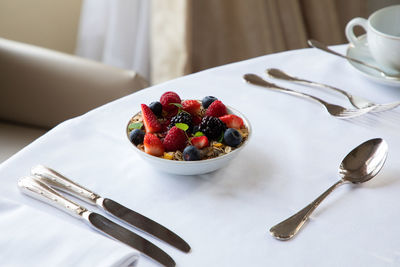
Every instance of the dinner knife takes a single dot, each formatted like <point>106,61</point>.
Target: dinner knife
<point>39,190</point>
<point>57,180</point>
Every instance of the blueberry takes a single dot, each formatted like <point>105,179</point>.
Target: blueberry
<point>207,101</point>
<point>232,137</point>
<point>191,153</point>
<point>156,107</point>
<point>136,136</point>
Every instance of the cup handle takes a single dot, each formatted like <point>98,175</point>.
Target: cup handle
<point>349,29</point>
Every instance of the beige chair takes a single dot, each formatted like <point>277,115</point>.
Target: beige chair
<point>40,88</point>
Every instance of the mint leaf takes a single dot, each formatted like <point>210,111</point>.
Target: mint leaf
<point>197,134</point>
<point>221,138</point>
<point>135,125</point>
<point>182,126</point>
<point>176,105</point>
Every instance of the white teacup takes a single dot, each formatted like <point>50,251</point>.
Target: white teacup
<point>383,35</point>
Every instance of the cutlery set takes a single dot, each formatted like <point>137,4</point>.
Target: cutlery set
<point>360,165</point>
<point>361,105</point>
<point>334,110</point>
<point>43,183</point>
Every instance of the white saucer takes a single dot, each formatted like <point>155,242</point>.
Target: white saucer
<point>362,53</point>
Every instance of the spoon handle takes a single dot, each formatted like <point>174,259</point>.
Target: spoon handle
<point>323,47</point>
<point>289,227</point>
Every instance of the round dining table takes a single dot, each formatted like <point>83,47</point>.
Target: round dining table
<point>292,156</point>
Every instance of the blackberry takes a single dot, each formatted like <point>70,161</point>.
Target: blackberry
<point>182,117</point>
<point>212,127</point>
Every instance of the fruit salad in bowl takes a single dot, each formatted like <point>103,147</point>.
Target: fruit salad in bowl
<point>188,136</point>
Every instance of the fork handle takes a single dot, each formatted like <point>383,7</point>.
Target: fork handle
<point>254,79</point>
<point>59,181</point>
<point>278,74</point>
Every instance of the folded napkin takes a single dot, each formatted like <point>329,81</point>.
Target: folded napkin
<point>32,237</point>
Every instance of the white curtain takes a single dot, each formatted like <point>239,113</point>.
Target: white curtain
<point>117,33</point>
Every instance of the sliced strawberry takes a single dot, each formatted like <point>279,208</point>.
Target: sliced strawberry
<point>191,106</point>
<point>232,121</point>
<point>167,99</point>
<point>153,145</point>
<point>200,141</point>
<point>151,124</point>
<point>216,109</point>
<point>175,139</point>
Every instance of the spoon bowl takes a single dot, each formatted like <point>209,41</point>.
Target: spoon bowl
<point>362,164</point>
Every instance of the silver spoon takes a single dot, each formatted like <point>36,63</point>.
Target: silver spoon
<point>359,166</point>
<point>316,44</point>
<point>356,101</point>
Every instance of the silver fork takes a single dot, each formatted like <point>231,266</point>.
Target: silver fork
<point>334,110</point>
<point>357,101</point>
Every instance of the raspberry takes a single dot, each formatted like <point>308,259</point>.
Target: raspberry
<point>175,139</point>
<point>167,98</point>
<point>212,127</point>
<point>165,125</point>
<point>216,109</point>
<point>196,120</point>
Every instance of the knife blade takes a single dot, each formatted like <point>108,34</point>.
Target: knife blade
<point>59,181</point>
<point>39,190</point>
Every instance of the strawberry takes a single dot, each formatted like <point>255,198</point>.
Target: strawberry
<point>191,106</point>
<point>216,109</point>
<point>167,98</point>
<point>153,145</point>
<point>232,121</point>
<point>200,141</point>
<point>151,124</point>
<point>175,139</point>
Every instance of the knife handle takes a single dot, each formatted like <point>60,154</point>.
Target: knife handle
<point>36,189</point>
<point>59,181</point>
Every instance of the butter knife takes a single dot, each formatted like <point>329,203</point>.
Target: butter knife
<point>39,190</point>
<point>57,180</point>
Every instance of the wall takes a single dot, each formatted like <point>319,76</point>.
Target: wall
<point>48,23</point>
<point>54,23</point>
<point>374,5</point>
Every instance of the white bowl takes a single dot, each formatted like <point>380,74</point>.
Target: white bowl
<point>198,166</point>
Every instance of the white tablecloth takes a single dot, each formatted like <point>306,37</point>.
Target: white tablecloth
<point>292,157</point>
